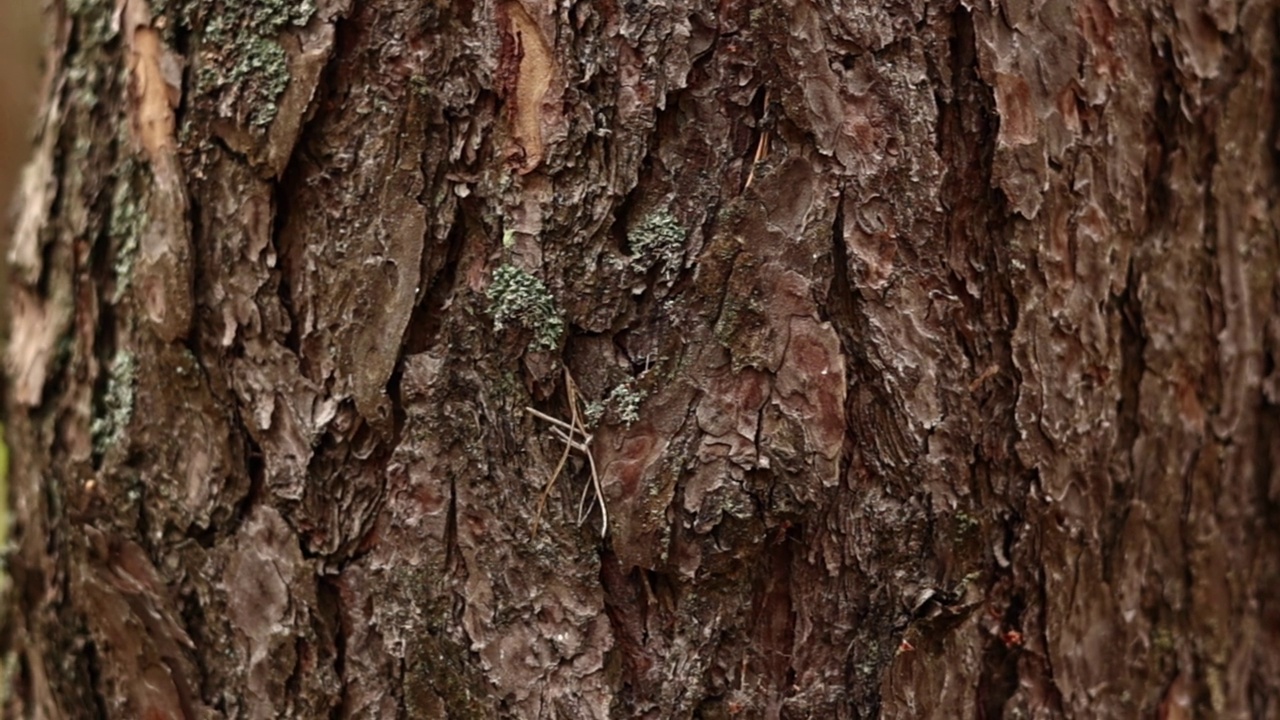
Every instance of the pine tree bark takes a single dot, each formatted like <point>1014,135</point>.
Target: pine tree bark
<point>924,355</point>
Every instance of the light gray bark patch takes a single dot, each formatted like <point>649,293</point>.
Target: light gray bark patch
<point>270,601</point>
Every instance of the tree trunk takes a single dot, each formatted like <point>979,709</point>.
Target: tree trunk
<point>917,360</point>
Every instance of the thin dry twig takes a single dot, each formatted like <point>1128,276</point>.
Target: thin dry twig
<point>568,433</point>
<point>553,420</point>
<point>762,148</point>
<point>595,482</point>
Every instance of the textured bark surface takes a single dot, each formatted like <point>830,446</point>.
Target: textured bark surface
<point>929,350</point>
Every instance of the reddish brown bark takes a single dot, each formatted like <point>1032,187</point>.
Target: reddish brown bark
<point>928,353</point>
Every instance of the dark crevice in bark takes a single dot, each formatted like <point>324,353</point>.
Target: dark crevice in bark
<point>1269,414</point>
<point>622,211</point>
<point>291,178</point>
<point>402,703</point>
<point>625,594</point>
<point>191,613</point>
<point>649,175</point>
<point>179,39</point>
<point>452,553</point>
<point>636,363</point>
<point>1188,126</point>
<point>1262,701</point>
<point>757,116</point>
<point>1265,703</point>
<point>142,523</point>
<point>288,256</point>
<point>654,192</point>
<point>293,684</point>
<point>1132,367</point>
<point>999,678</point>
<point>423,331</point>
<point>1043,661</point>
<point>105,347</point>
<point>1214,295</point>
<point>838,307</point>
<point>979,262</point>
<point>90,663</point>
<point>50,257</point>
<point>1265,438</point>
<point>1166,116</point>
<point>381,457</point>
<point>1274,135</point>
<point>1169,125</point>
<point>1268,445</point>
<point>206,359</point>
<point>107,342</point>
<point>774,615</point>
<point>255,469</point>
<point>1185,536</point>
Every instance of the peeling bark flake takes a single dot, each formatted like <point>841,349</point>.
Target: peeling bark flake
<point>164,271</point>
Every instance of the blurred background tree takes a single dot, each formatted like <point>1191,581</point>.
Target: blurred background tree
<point>20,42</point>
<point>19,73</point>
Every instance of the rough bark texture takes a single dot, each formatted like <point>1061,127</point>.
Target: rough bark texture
<point>929,350</point>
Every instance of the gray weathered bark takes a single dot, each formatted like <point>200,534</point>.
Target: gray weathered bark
<point>928,351</point>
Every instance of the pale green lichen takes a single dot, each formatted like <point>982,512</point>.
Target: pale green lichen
<point>516,296</point>
<point>966,524</point>
<point>625,400</point>
<point>125,225</point>
<point>248,36</point>
<point>1163,641</point>
<point>593,411</point>
<point>117,402</point>
<point>95,34</point>
<point>658,241</point>
<point>421,85</point>
<point>262,59</point>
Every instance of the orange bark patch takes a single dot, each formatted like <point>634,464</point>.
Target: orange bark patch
<point>153,96</point>
<point>1017,115</point>
<point>528,67</point>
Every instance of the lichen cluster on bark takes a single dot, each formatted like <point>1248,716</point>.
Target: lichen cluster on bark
<point>928,350</point>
